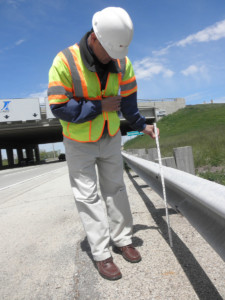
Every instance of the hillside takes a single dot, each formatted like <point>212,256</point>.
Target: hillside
<point>199,126</point>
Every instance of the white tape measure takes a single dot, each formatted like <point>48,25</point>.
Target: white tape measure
<point>163,186</point>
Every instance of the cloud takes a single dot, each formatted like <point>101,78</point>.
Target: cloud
<point>147,68</point>
<point>190,70</point>
<point>41,95</point>
<point>19,42</point>
<point>196,98</point>
<point>194,71</point>
<point>14,3</point>
<point>16,44</point>
<point>211,33</point>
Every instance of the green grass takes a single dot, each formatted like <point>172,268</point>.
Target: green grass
<point>199,126</point>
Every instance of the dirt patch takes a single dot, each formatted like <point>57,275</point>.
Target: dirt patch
<point>211,169</point>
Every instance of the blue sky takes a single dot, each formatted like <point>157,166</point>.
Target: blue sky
<point>178,49</point>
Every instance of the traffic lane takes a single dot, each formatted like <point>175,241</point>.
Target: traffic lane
<point>40,231</point>
<point>13,176</point>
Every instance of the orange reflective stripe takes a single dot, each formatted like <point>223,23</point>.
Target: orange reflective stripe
<point>64,59</point>
<point>83,82</point>
<point>129,92</point>
<point>52,97</point>
<point>59,83</point>
<point>120,78</point>
<point>118,61</point>
<point>62,56</point>
<point>128,81</point>
<point>95,98</point>
<point>68,125</point>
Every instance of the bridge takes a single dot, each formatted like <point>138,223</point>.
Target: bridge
<point>25,123</point>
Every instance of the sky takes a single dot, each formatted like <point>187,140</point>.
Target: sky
<point>178,47</point>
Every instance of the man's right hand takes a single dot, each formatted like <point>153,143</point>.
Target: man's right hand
<point>111,103</point>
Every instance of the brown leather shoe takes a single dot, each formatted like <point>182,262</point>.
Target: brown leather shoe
<point>108,270</point>
<point>129,253</point>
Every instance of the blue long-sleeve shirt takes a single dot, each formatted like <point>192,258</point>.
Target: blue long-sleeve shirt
<point>86,110</point>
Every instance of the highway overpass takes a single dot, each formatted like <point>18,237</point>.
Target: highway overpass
<point>25,124</point>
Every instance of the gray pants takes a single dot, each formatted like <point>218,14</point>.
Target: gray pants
<point>100,224</point>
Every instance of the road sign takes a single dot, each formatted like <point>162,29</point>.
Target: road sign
<point>24,109</point>
<point>130,133</point>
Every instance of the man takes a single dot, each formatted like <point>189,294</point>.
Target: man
<point>84,84</point>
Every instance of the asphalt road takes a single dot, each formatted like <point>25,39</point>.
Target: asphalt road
<point>44,253</point>
<point>10,177</point>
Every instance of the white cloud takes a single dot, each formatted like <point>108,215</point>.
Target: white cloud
<point>211,33</point>
<point>162,51</point>
<point>14,3</point>
<point>19,42</point>
<point>41,95</point>
<point>190,70</point>
<point>147,68</point>
<point>194,70</point>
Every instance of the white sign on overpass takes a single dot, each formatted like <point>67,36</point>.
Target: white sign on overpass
<point>25,109</point>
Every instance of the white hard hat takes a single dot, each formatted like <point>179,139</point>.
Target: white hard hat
<point>114,30</point>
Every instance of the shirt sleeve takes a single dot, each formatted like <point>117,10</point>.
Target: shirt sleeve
<point>131,112</point>
<point>129,106</point>
<point>77,111</point>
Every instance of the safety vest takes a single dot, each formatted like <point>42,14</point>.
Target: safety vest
<point>70,78</point>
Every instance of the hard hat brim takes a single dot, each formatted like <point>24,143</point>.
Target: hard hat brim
<point>116,54</point>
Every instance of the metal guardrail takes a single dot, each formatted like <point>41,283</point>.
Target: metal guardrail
<point>202,202</point>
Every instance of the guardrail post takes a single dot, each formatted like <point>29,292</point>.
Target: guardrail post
<point>168,162</point>
<point>152,154</point>
<point>184,159</point>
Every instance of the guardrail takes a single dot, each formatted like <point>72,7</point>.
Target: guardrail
<point>202,202</point>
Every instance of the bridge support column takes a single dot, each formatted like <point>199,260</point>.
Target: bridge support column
<point>29,153</point>
<point>37,153</point>
<point>10,158</point>
<point>1,159</point>
<point>19,155</point>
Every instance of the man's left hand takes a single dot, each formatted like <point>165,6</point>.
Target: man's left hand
<point>149,130</point>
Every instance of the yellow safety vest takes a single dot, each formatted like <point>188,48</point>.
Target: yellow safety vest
<point>70,78</point>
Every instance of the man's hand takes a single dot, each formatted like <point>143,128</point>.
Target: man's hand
<point>149,130</point>
<point>111,103</point>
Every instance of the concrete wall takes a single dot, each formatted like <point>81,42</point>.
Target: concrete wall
<point>169,105</point>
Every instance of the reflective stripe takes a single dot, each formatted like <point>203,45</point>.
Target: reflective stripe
<point>129,92</point>
<point>59,90</point>
<point>80,72</point>
<point>128,86</point>
<point>74,73</point>
<point>59,83</point>
<point>123,66</point>
<point>56,99</point>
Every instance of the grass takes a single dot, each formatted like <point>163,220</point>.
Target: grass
<point>199,126</point>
